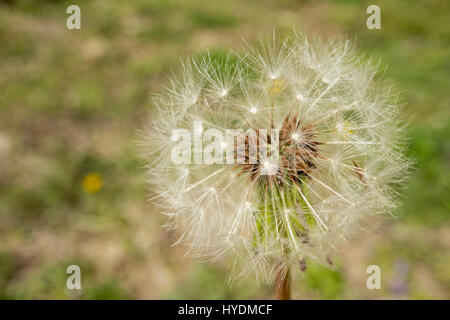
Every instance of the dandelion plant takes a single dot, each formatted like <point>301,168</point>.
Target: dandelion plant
<point>338,146</point>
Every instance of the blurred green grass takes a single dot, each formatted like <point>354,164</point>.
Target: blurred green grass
<point>71,104</point>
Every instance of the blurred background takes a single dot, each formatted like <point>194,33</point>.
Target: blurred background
<point>72,183</point>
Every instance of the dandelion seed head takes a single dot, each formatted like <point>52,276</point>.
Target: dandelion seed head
<point>340,150</point>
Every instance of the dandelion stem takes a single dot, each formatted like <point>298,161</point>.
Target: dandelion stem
<point>283,284</point>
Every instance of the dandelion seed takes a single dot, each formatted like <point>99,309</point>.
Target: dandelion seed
<point>297,136</point>
<point>273,76</point>
<point>300,97</point>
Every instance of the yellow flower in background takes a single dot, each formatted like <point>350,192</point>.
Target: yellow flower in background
<point>92,182</point>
